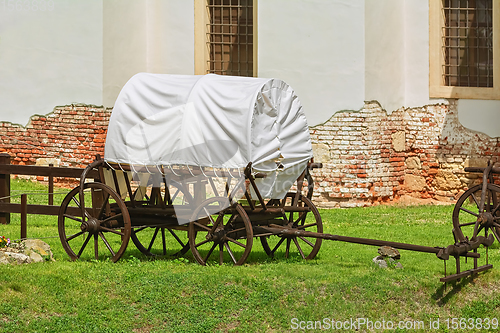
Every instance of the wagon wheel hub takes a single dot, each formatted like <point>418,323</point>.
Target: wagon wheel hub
<point>218,236</point>
<point>486,219</point>
<point>92,225</point>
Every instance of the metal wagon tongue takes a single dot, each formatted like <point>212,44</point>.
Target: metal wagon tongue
<point>457,250</point>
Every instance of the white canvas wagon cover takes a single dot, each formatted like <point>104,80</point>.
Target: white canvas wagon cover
<point>211,121</point>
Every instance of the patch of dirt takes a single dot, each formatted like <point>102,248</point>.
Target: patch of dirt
<point>407,200</point>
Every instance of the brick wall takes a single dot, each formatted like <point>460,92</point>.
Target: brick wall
<point>369,157</point>
<point>70,136</point>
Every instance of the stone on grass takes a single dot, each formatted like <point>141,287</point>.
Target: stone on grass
<point>388,257</point>
<point>26,252</point>
<point>14,258</point>
<point>387,251</point>
<point>37,250</point>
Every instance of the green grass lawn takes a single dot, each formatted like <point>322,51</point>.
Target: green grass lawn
<point>138,294</point>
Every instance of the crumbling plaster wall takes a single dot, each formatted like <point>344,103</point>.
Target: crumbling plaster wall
<point>69,136</point>
<point>370,157</point>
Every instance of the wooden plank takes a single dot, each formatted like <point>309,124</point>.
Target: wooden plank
<point>36,170</point>
<point>6,207</point>
<point>5,188</point>
<point>24,213</point>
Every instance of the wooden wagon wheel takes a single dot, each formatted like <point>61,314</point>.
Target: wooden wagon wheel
<point>470,220</point>
<point>220,231</point>
<point>155,237</point>
<point>103,231</point>
<point>309,220</point>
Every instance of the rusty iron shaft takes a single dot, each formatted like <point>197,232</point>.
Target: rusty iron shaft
<point>459,249</point>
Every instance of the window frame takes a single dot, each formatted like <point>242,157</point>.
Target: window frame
<point>437,89</point>
<point>201,50</point>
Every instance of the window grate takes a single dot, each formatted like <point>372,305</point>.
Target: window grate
<point>230,37</point>
<point>468,43</point>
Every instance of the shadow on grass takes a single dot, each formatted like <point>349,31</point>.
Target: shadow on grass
<point>444,294</point>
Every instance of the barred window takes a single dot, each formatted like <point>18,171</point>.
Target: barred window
<point>464,49</point>
<point>230,37</point>
<point>468,43</point>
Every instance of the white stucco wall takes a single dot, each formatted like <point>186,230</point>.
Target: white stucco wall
<point>480,116</point>
<point>335,53</point>
<point>397,53</point>
<point>50,57</point>
<point>384,53</point>
<point>155,36</point>
<point>317,47</point>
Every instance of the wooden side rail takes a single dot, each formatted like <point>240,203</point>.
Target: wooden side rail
<point>47,171</point>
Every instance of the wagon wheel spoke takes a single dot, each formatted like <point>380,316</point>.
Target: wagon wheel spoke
<point>150,246</point>
<point>306,241</point>
<point>298,247</point>
<point>278,245</point>
<point>74,236</point>
<point>236,242</point>
<point>96,246</point>
<point>113,231</point>
<point>215,223</point>
<point>184,246</point>
<point>475,199</point>
<point>300,220</point>
<point>496,233</point>
<point>78,204</point>
<point>495,210</point>
<point>288,242</point>
<point>479,230</point>
<point>106,243</point>
<point>163,241</point>
<point>177,238</point>
<point>235,230</point>
<point>202,242</point>
<point>210,252</point>
<point>226,245</point>
<point>221,254</point>
<point>305,226</point>
<point>74,218</point>
<point>84,245</point>
<point>468,211</point>
<point>202,226</point>
<point>466,224</point>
